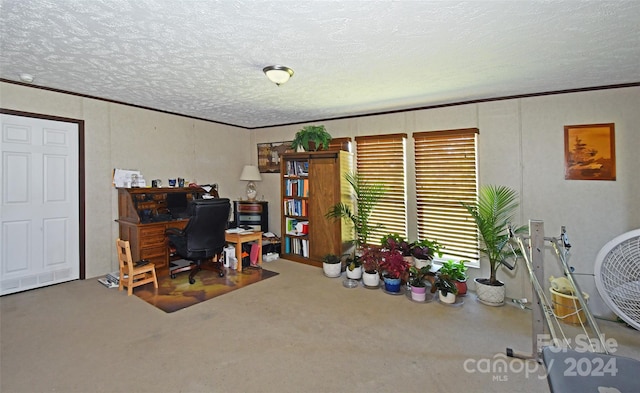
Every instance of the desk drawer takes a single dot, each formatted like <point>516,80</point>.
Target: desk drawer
<point>154,231</point>
<point>180,224</point>
<point>250,208</point>
<point>243,218</point>
<point>152,240</point>
<point>147,252</point>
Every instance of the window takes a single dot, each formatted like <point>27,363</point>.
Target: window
<point>446,175</point>
<point>381,158</point>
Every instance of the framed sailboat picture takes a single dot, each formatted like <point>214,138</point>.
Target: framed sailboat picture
<point>590,152</point>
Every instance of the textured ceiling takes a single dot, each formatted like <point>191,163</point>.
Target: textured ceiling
<point>205,58</point>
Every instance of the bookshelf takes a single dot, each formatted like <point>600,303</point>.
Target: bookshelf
<point>311,183</point>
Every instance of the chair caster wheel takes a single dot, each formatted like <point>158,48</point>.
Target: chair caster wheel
<point>221,274</point>
<point>192,280</point>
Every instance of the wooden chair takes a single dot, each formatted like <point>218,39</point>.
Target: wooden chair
<point>136,275</point>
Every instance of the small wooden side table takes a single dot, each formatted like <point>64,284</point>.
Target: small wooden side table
<point>239,238</point>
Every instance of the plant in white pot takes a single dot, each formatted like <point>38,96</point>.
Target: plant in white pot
<point>493,212</point>
<point>457,272</point>
<point>423,252</point>
<point>331,265</point>
<point>446,288</point>
<point>367,195</point>
<point>354,266</point>
<point>371,257</point>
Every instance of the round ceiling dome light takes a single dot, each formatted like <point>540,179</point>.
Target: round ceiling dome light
<point>278,74</point>
<point>26,78</point>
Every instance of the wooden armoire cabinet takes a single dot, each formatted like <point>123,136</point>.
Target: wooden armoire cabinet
<point>312,182</point>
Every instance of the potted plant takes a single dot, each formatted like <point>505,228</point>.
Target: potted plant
<point>393,266</point>
<point>457,271</point>
<point>354,266</point>
<point>371,257</point>
<point>446,288</point>
<point>417,282</point>
<point>331,265</point>
<point>493,211</point>
<point>423,252</point>
<point>367,195</point>
<point>312,138</point>
<point>395,241</point>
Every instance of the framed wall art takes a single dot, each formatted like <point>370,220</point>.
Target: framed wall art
<point>269,155</point>
<point>589,152</point>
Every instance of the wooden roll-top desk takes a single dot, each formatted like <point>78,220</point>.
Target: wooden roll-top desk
<point>143,218</point>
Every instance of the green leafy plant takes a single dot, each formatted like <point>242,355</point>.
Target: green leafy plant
<point>444,284</point>
<point>425,249</point>
<point>367,195</point>
<point>331,259</point>
<point>353,261</point>
<point>493,211</point>
<point>454,270</point>
<point>316,134</point>
<point>417,276</point>
<point>394,240</point>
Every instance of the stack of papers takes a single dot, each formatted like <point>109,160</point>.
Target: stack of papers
<point>239,230</point>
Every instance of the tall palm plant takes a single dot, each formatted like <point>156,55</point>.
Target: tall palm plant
<point>493,212</point>
<point>367,195</point>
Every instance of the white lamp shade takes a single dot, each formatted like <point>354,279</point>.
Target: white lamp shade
<point>250,173</point>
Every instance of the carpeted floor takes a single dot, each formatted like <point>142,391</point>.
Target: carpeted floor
<point>296,332</point>
<point>175,294</point>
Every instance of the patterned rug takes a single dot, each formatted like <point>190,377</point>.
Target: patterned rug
<point>176,294</point>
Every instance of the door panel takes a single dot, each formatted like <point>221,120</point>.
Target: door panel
<point>40,203</point>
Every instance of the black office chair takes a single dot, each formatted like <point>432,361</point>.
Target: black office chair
<point>203,237</point>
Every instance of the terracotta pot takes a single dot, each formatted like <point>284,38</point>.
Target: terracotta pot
<point>462,287</point>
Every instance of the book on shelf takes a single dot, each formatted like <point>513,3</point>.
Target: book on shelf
<point>297,168</point>
<point>297,187</point>
<point>297,246</point>
<point>295,207</point>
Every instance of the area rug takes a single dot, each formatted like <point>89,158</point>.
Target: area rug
<point>175,294</point>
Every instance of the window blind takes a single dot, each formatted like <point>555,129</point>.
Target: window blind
<point>381,158</point>
<point>446,174</point>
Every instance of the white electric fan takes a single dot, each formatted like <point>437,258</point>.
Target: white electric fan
<point>617,275</point>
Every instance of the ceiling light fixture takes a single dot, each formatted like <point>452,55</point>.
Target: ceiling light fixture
<point>26,78</point>
<point>278,74</point>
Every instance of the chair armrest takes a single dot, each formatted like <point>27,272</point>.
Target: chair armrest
<point>174,231</point>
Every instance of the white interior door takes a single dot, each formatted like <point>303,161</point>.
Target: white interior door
<point>39,197</point>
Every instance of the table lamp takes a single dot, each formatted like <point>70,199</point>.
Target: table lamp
<point>251,173</point>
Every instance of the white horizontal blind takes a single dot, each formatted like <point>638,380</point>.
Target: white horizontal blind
<point>381,158</point>
<point>446,175</point>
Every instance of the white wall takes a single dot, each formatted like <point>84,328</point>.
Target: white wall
<point>521,144</point>
<point>160,145</point>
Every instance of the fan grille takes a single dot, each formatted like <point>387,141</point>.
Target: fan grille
<point>618,276</point>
